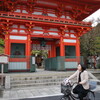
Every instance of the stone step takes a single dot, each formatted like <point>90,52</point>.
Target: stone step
<point>40,75</point>
<point>37,80</point>
<point>35,85</point>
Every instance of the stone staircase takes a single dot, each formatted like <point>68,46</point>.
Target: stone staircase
<point>45,78</point>
<point>40,78</point>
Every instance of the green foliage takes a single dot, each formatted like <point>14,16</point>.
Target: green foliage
<point>90,42</point>
<point>1,50</point>
<point>40,52</point>
<point>97,45</point>
<point>2,42</point>
<point>1,46</point>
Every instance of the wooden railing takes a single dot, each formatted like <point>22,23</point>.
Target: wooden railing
<point>44,19</point>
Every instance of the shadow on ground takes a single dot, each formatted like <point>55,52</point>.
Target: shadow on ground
<point>97,97</point>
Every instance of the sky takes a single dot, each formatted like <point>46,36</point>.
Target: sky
<point>94,17</point>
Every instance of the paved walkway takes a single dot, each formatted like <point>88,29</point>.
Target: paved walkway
<point>97,97</point>
<point>32,92</point>
<point>15,94</point>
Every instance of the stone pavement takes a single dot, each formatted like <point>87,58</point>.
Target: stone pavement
<point>97,97</point>
<point>33,92</point>
<point>16,94</point>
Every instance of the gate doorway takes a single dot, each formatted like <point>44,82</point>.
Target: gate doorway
<point>41,49</point>
<point>40,56</point>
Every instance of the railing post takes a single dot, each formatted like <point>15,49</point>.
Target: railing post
<point>2,73</point>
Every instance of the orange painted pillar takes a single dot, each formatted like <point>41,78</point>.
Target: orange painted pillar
<point>28,50</point>
<point>7,45</point>
<point>28,46</point>
<point>78,49</point>
<point>61,47</point>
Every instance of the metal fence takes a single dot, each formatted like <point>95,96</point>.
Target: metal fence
<point>28,63</point>
<point>63,63</point>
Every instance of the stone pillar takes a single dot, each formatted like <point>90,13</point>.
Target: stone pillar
<point>7,82</point>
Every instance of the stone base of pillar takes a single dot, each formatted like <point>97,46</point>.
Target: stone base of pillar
<point>7,82</point>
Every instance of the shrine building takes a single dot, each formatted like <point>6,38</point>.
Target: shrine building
<point>52,25</point>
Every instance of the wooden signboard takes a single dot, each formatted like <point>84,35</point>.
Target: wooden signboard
<point>4,59</point>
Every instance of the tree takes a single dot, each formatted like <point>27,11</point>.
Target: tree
<point>2,42</point>
<point>1,46</point>
<point>90,42</point>
<point>97,45</point>
<point>43,53</point>
<point>97,39</point>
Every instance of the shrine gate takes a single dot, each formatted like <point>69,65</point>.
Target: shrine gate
<point>24,24</point>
